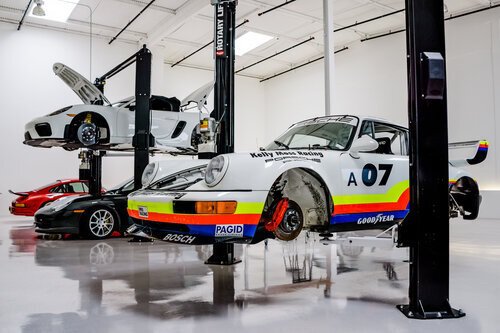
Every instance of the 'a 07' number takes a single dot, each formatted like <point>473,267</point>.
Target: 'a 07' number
<point>369,175</point>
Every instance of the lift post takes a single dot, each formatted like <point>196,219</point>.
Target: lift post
<point>142,139</point>
<point>91,160</point>
<point>91,170</point>
<point>426,229</point>
<point>224,21</point>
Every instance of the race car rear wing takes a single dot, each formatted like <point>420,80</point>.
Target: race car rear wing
<point>479,148</point>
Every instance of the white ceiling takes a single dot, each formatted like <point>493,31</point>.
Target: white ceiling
<point>183,26</point>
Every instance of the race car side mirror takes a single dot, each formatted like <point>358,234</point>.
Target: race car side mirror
<point>362,145</point>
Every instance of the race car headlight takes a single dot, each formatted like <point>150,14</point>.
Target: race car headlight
<point>149,174</point>
<point>216,170</point>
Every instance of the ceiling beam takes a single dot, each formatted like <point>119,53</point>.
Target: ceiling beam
<point>141,4</point>
<point>171,23</point>
<point>286,11</point>
<point>66,30</point>
<point>206,18</point>
<point>11,10</point>
<point>197,45</point>
<point>78,23</point>
<point>210,69</point>
<point>112,30</point>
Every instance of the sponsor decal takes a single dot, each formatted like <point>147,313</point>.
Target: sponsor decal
<point>219,37</point>
<point>229,230</point>
<point>185,239</point>
<point>332,119</point>
<point>175,195</point>
<point>143,211</point>
<point>287,153</point>
<point>376,219</point>
<point>369,175</point>
<point>289,156</point>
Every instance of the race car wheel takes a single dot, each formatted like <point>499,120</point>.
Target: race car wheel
<point>99,223</point>
<point>291,224</point>
<point>88,134</point>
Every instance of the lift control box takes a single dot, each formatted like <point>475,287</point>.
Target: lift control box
<point>433,75</point>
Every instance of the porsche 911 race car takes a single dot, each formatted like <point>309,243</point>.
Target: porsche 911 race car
<point>327,174</point>
<point>99,124</point>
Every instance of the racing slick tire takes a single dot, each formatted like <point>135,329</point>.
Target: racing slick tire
<point>291,224</point>
<point>98,223</point>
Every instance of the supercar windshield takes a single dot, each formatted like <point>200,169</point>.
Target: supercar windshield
<point>333,133</point>
<point>123,102</point>
<point>124,186</point>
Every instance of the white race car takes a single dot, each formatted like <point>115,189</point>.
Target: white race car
<point>99,124</point>
<point>327,174</point>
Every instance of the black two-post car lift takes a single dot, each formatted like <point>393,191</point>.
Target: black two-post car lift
<point>426,229</point>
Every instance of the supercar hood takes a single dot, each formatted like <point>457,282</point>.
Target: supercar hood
<point>87,92</point>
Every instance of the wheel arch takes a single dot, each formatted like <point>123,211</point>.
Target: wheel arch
<point>97,118</point>
<point>94,207</point>
<point>465,193</point>
<point>306,171</point>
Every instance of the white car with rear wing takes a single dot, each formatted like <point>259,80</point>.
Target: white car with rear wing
<point>99,124</point>
<point>327,174</point>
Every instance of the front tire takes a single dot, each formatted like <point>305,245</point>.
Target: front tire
<point>99,223</point>
<point>292,223</point>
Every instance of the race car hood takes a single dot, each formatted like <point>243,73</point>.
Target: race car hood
<point>257,171</point>
<point>82,87</point>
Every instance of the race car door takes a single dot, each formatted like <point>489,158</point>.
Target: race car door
<point>375,186</point>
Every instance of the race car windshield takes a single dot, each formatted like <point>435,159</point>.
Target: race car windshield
<point>326,135</point>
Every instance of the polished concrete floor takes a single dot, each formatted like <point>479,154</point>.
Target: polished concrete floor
<point>50,285</point>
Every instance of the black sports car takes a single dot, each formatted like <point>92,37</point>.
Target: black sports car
<point>90,216</point>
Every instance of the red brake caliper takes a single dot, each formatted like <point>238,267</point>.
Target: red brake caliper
<point>278,214</point>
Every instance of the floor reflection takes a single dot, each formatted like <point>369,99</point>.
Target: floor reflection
<point>23,241</point>
<point>168,281</point>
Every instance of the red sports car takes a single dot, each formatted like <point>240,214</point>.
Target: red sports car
<point>29,202</point>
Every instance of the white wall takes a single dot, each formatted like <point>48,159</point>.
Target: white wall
<point>371,79</point>
<point>28,89</point>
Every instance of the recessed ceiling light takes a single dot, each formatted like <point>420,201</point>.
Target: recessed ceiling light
<point>56,10</point>
<point>250,41</point>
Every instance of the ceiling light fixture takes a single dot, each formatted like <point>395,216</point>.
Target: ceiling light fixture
<point>250,41</point>
<point>53,10</point>
<point>38,10</point>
